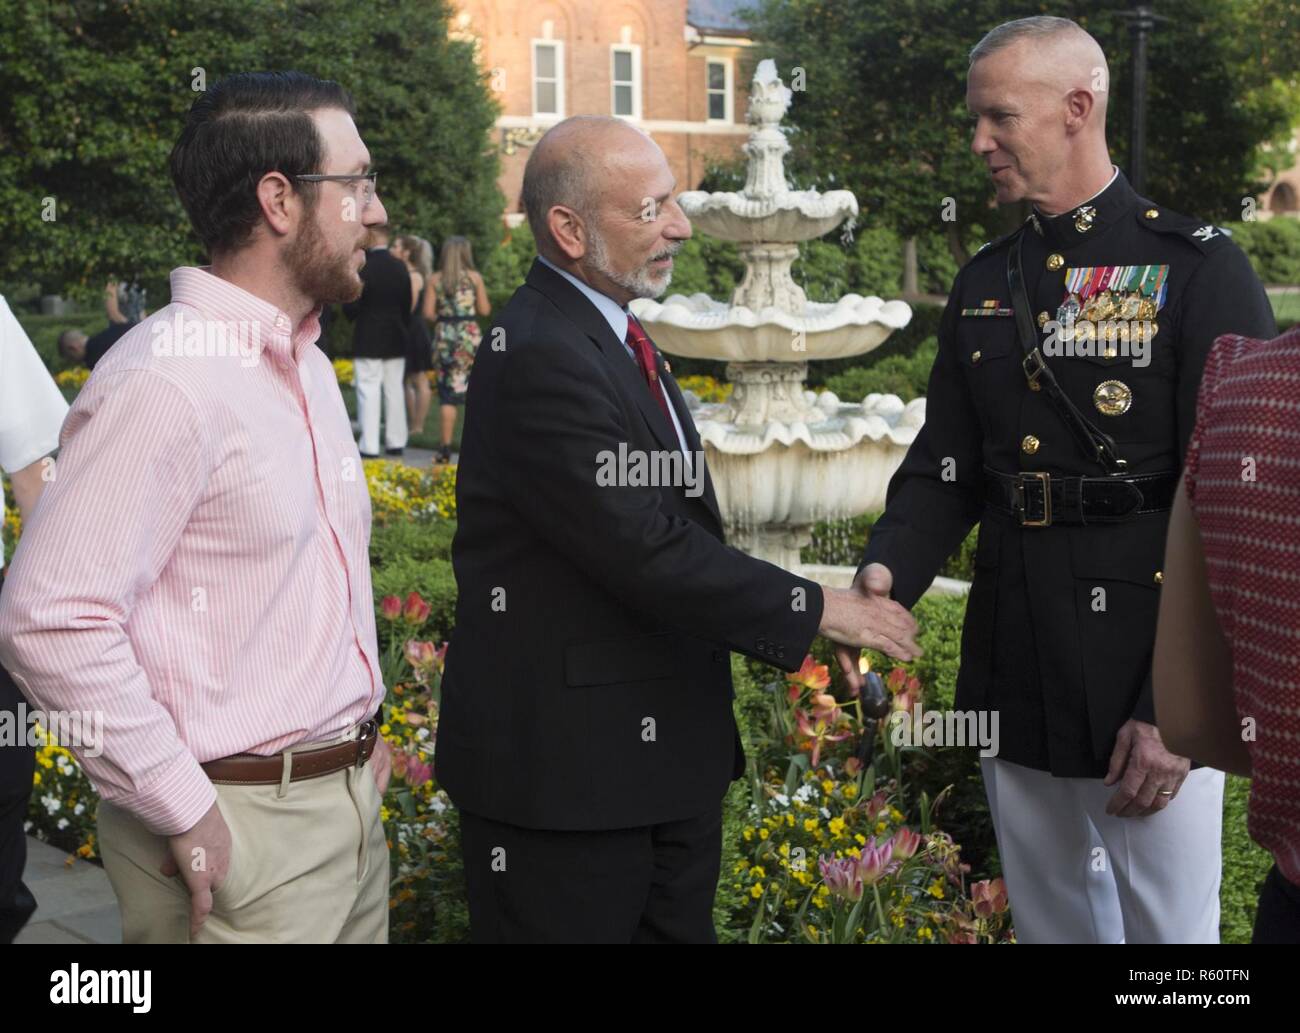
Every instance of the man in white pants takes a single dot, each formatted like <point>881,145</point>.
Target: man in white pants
<point>1068,459</point>
<point>382,318</point>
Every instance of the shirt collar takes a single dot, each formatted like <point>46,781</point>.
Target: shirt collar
<point>269,328</point>
<point>614,313</point>
<point>1085,220</point>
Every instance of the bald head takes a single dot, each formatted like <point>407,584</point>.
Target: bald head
<point>599,195</point>
<point>574,165</point>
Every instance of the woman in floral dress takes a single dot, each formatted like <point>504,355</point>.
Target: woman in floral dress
<point>455,296</point>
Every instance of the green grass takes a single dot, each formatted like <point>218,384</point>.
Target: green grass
<point>1286,307</point>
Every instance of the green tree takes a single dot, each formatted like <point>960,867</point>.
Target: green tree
<point>882,110</point>
<point>96,93</point>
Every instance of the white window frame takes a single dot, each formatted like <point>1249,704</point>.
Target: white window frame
<point>558,44</point>
<point>728,92</point>
<point>635,50</point>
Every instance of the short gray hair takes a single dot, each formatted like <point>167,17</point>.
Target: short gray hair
<point>1039,27</point>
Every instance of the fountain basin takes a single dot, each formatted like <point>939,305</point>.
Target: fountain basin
<point>790,215</point>
<point>774,480</point>
<point>699,327</point>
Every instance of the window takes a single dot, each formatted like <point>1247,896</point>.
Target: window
<point>717,88</point>
<point>548,78</point>
<point>625,81</point>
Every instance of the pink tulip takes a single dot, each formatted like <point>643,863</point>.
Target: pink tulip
<point>842,877</point>
<point>906,843</point>
<point>419,654</point>
<point>417,610</point>
<point>417,773</point>
<point>874,861</point>
<point>989,897</point>
<point>390,607</point>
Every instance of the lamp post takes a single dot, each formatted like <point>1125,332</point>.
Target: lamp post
<point>1142,19</point>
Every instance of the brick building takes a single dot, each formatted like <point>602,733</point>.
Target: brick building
<point>680,70</point>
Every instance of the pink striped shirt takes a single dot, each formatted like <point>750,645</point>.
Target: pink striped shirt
<point>197,571</point>
<point>1243,483</point>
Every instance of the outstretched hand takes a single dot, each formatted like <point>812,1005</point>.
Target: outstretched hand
<point>865,617</point>
<point>875,581</point>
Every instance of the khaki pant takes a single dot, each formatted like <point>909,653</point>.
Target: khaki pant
<point>308,866</point>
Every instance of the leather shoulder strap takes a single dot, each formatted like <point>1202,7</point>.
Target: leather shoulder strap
<point>1095,444</point>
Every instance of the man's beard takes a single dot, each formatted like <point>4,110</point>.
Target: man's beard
<point>642,282</point>
<point>319,275</point>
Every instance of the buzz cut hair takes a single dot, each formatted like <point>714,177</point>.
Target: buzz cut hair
<point>1040,27</point>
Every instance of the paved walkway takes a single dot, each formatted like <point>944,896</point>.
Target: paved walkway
<point>75,903</point>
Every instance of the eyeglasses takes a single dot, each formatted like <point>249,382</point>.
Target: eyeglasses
<point>367,191</point>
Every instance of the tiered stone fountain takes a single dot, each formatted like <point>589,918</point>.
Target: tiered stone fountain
<point>782,457</point>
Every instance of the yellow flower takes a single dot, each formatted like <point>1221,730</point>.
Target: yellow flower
<point>881,826</point>
<point>828,786</point>
<point>850,791</point>
<point>763,833</point>
<point>936,889</point>
<point>837,827</point>
<point>784,850</point>
<point>925,933</point>
<point>748,833</point>
<point>810,824</point>
<point>756,890</point>
<point>896,814</point>
<point>758,872</point>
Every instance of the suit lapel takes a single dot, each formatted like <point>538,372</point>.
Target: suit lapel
<point>569,300</point>
<point>678,402</point>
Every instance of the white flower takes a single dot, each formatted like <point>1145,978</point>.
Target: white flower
<point>50,803</point>
<point>63,824</point>
<point>79,808</point>
<point>781,800</point>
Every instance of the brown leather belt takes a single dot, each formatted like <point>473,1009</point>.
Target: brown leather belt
<point>249,769</point>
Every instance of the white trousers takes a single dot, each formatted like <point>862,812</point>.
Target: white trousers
<point>372,375</point>
<point>1076,874</point>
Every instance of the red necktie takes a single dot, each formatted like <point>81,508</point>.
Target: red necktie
<point>645,358</point>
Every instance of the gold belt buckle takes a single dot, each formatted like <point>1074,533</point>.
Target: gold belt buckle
<point>1044,479</point>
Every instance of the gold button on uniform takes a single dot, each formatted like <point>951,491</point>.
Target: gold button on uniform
<point>1160,577</point>
<point>1055,262</point>
<point>975,358</point>
<point>1029,445</point>
<point>1151,213</point>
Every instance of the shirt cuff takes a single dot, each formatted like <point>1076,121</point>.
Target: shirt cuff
<point>174,802</point>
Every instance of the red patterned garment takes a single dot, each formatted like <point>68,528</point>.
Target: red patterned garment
<point>1243,484</point>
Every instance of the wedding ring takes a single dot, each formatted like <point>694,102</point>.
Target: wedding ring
<point>1165,792</point>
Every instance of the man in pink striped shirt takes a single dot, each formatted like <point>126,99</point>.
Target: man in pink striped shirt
<point>196,577</point>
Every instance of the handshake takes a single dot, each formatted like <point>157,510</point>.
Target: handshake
<point>865,617</point>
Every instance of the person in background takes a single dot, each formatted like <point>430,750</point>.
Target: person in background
<point>418,257</point>
<point>382,321</point>
<point>1226,670</point>
<point>31,413</point>
<point>76,347</point>
<point>456,294</point>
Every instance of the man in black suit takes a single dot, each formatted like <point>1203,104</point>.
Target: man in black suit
<point>586,729</point>
<point>382,318</point>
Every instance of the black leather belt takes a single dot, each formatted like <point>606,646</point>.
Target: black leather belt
<point>1039,499</point>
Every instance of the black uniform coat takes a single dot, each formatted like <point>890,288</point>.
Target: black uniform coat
<point>1063,672</point>
<point>585,610</point>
